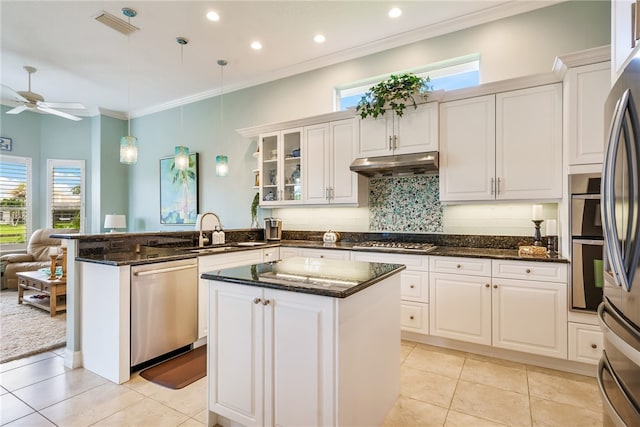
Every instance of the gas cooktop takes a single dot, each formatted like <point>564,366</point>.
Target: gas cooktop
<point>398,246</point>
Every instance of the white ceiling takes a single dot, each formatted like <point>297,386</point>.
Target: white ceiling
<point>80,60</point>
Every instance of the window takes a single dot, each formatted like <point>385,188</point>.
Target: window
<point>15,202</point>
<point>447,75</point>
<point>65,198</point>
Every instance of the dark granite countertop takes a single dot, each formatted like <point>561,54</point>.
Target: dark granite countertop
<point>318,276</point>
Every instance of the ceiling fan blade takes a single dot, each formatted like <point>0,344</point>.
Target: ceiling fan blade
<point>18,109</point>
<point>64,105</point>
<point>11,95</point>
<point>58,113</point>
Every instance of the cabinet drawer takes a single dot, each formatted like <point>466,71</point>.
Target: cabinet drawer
<point>415,285</point>
<point>414,317</point>
<point>270,254</point>
<point>228,260</point>
<point>523,270</point>
<point>459,265</point>
<point>413,262</point>
<point>288,252</point>
<point>585,343</point>
<point>325,253</point>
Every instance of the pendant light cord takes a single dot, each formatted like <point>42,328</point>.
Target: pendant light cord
<point>129,81</point>
<point>182,94</point>
<point>221,102</point>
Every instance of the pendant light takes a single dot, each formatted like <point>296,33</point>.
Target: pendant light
<point>129,144</point>
<point>181,151</point>
<point>222,161</point>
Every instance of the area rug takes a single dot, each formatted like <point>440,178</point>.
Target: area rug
<point>27,330</point>
<point>180,371</point>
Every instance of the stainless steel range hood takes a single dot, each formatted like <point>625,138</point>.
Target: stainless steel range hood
<point>403,164</point>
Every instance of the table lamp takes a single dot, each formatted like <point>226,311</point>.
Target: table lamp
<point>115,221</point>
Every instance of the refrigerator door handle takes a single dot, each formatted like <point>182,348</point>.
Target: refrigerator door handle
<point>603,365</point>
<point>621,345</point>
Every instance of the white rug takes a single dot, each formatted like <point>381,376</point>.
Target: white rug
<point>27,330</point>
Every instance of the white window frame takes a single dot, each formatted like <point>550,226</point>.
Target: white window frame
<point>29,201</point>
<point>54,163</point>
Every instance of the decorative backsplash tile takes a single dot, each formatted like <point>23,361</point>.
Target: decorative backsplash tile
<point>405,203</point>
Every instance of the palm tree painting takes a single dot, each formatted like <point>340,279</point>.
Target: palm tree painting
<point>178,191</point>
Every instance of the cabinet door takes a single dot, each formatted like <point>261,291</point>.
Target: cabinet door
<point>280,168</point>
<point>299,359</point>
<point>417,130</point>
<point>288,252</point>
<point>529,143</point>
<point>268,168</point>
<point>530,317</point>
<point>236,342</point>
<point>623,41</point>
<point>343,183</point>
<point>460,307</point>
<point>316,164</point>
<point>587,90</point>
<point>374,136</point>
<point>467,152</point>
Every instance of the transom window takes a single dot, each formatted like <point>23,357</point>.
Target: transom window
<point>447,75</point>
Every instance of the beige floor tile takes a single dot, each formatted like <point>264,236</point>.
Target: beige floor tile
<point>562,387</point>
<point>12,408</point>
<point>488,372</point>
<point>410,412</point>
<point>405,349</point>
<point>458,419</point>
<point>492,403</point>
<point>437,361</point>
<point>92,406</point>
<point>33,420</point>
<point>7,366</point>
<point>427,386</point>
<point>190,400</point>
<point>191,422</point>
<point>59,388</point>
<point>201,416</point>
<point>32,373</point>
<point>552,414</point>
<point>146,412</point>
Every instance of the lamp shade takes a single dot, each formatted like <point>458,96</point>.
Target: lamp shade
<point>222,165</point>
<point>115,221</point>
<point>182,157</point>
<point>128,150</point>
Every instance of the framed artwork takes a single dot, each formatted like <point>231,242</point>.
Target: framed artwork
<point>6,144</point>
<point>178,191</point>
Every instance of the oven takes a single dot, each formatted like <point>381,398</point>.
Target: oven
<point>587,242</point>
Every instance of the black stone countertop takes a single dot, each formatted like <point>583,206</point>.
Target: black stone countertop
<point>318,276</point>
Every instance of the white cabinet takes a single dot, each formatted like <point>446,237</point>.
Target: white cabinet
<point>324,253</point>
<point>520,306</point>
<point>329,149</point>
<point>624,35</point>
<point>415,132</point>
<point>280,168</point>
<point>289,251</point>
<point>414,288</point>
<point>218,262</point>
<point>586,89</point>
<point>585,343</point>
<point>510,144</point>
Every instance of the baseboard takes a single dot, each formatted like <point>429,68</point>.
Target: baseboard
<point>72,359</point>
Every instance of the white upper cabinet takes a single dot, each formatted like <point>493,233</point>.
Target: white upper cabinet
<point>415,132</point>
<point>586,90</point>
<point>506,146</point>
<point>329,149</point>
<point>624,40</point>
<point>279,167</point>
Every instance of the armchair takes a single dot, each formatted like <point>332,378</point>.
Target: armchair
<point>37,255</point>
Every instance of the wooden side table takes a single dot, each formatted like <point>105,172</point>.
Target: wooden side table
<point>38,281</point>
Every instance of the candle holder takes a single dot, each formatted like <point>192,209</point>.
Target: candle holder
<point>52,268</point>
<point>552,245</point>
<point>64,263</point>
<point>537,237</point>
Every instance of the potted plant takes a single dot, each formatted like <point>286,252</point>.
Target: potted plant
<point>254,210</point>
<point>395,93</point>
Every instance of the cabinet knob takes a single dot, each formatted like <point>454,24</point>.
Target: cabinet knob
<point>594,346</point>
<point>458,266</point>
<point>257,300</point>
<point>528,270</point>
<point>412,286</point>
<point>266,302</point>
<point>495,286</point>
<point>411,317</point>
<point>487,285</point>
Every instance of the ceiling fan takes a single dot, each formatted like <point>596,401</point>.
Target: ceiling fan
<point>27,100</point>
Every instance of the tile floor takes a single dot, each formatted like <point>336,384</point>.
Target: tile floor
<point>439,388</point>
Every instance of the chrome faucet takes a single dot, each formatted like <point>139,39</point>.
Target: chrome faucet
<point>200,221</point>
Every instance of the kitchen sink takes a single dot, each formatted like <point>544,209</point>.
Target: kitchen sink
<point>250,243</point>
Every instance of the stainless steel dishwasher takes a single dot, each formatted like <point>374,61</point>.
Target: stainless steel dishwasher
<point>164,308</point>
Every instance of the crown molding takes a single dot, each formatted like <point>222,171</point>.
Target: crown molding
<point>583,57</point>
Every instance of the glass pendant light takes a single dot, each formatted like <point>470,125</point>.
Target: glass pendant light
<point>129,144</point>
<point>182,152</point>
<point>222,161</point>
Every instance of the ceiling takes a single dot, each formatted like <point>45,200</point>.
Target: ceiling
<point>81,60</point>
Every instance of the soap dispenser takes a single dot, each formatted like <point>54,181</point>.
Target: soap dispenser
<point>221,236</point>
<point>215,236</point>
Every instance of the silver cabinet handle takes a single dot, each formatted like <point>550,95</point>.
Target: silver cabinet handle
<point>395,142</point>
<point>390,144</point>
<point>164,270</point>
<point>257,300</point>
<point>498,186</point>
<point>493,190</point>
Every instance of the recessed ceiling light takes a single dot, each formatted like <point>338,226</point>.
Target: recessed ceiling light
<point>395,12</point>
<point>213,16</point>
<point>319,38</point>
<point>256,45</point>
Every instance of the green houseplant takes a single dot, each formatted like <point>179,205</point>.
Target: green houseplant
<point>395,93</point>
<point>254,210</point>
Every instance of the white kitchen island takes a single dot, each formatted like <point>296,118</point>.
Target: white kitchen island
<point>303,342</point>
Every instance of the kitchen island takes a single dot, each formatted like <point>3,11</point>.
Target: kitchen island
<point>303,341</point>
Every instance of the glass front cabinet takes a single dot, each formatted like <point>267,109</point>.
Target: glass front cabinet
<point>279,168</point>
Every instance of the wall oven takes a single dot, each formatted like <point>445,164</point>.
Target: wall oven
<point>587,242</point>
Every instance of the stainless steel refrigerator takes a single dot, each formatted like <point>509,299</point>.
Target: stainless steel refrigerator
<point>619,312</point>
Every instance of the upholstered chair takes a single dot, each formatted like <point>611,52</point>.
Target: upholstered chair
<point>37,255</point>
